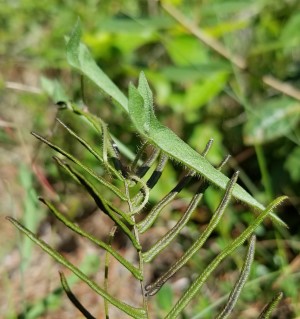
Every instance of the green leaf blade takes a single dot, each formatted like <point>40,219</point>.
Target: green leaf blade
<point>271,120</point>
<point>80,58</point>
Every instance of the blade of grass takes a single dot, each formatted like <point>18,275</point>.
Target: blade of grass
<point>107,259</point>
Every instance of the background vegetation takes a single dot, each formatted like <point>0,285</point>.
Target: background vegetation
<point>222,69</point>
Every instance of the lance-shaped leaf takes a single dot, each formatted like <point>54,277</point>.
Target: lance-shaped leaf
<point>80,58</point>
<point>93,239</point>
<point>141,113</point>
<point>197,284</point>
<point>236,291</point>
<point>73,298</point>
<point>152,289</point>
<point>137,313</point>
<point>143,117</point>
<point>101,180</point>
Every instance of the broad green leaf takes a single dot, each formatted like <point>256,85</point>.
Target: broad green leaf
<point>201,93</point>
<point>271,120</point>
<point>292,164</point>
<point>80,58</point>
<point>186,51</point>
<point>290,32</point>
<point>166,140</point>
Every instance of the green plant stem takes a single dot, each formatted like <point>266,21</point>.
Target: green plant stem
<point>140,256</point>
<point>107,259</point>
<point>264,172</point>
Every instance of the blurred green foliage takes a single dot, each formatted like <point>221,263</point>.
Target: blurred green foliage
<point>198,93</point>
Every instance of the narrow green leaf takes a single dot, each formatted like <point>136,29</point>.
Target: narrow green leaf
<point>73,298</point>
<point>197,284</point>
<point>137,313</point>
<point>100,201</point>
<point>92,190</point>
<point>154,288</point>
<point>267,312</point>
<point>96,241</point>
<point>88,170</point>
<point>236,291</point>
<point>80,58</point>
<point>93,151</point>
<point>173,232</point>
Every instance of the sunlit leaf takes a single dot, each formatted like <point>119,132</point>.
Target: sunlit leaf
<point>80,58</point>
<point>271,119</point>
